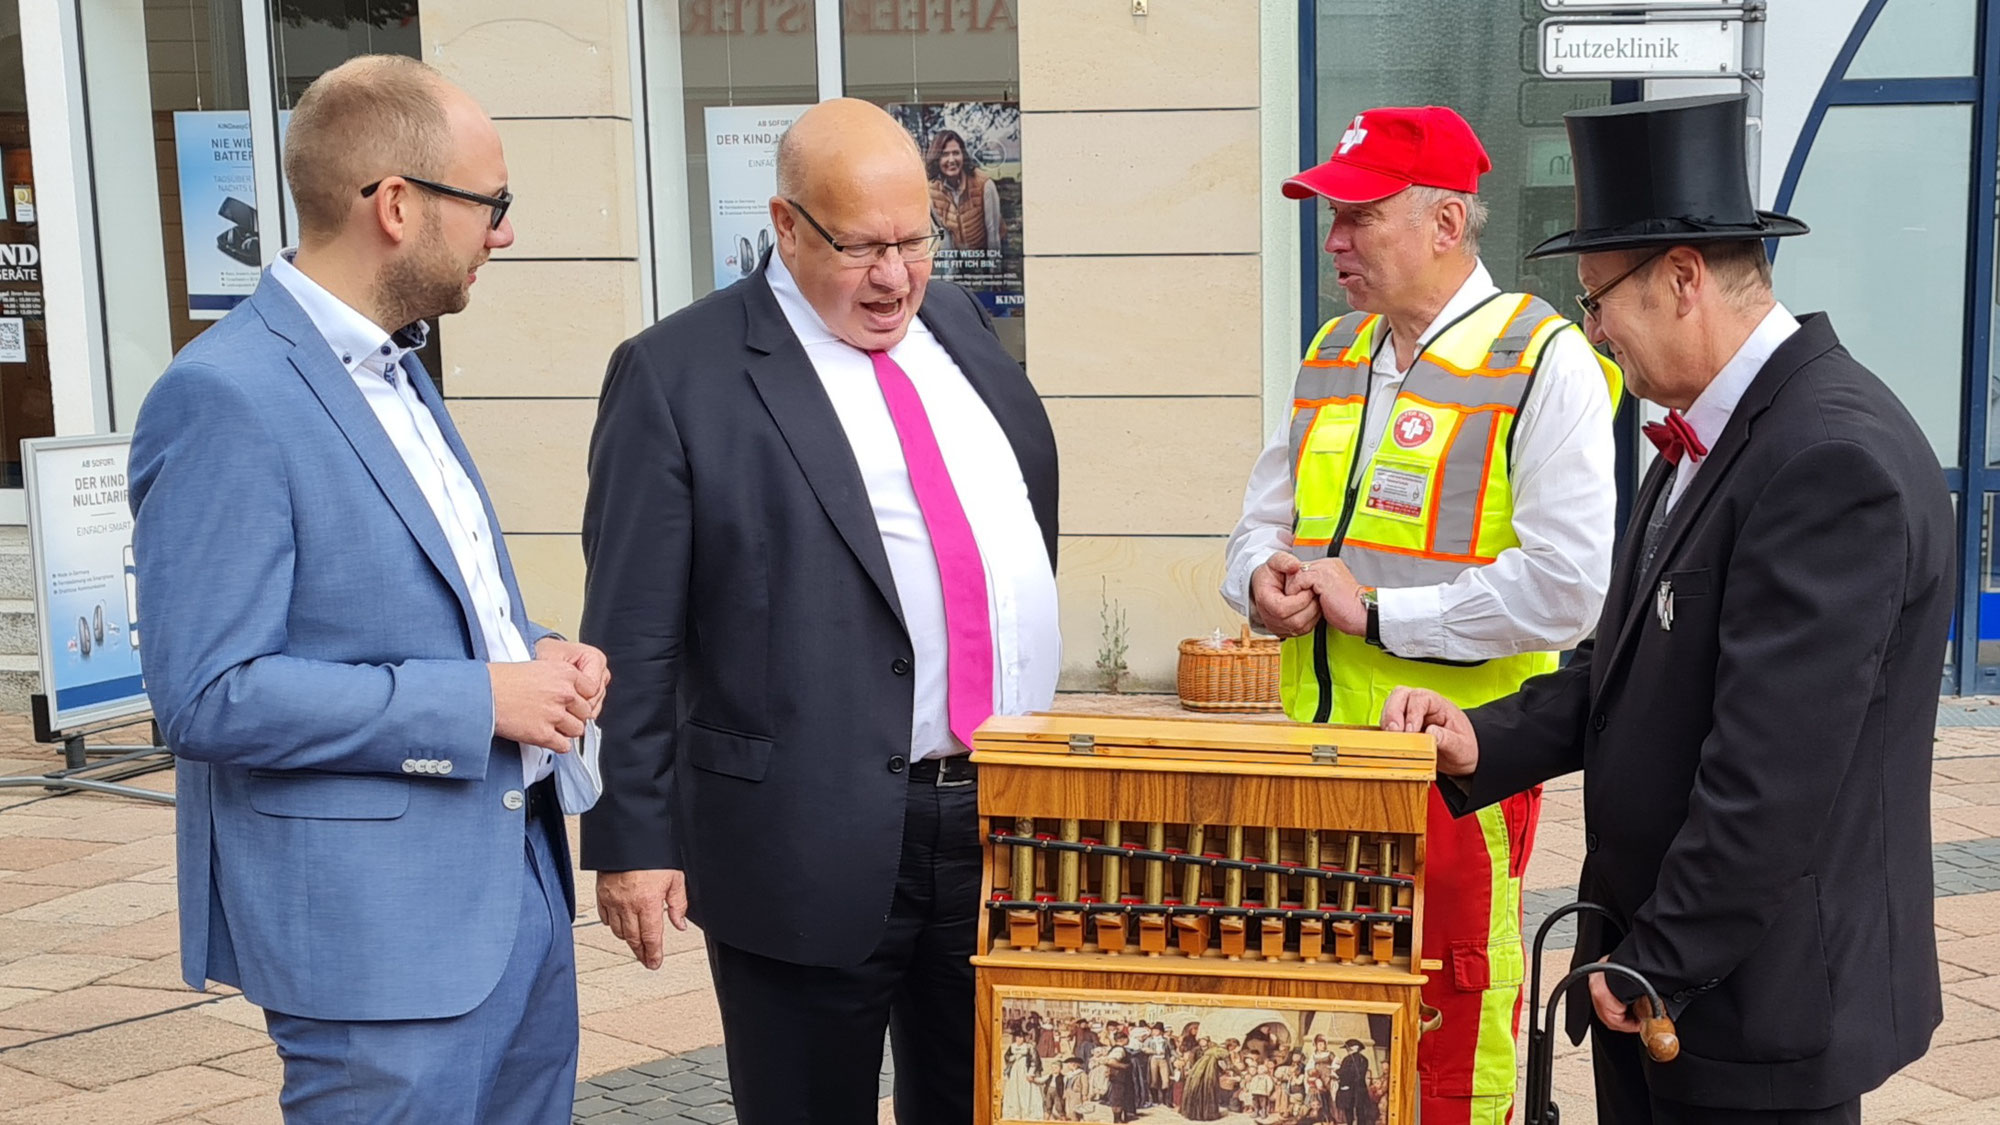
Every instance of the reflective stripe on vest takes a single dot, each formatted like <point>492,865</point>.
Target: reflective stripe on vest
<point>1434,498</point>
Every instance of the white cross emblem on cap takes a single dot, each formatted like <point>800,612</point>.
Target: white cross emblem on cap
<point>1355,135</point>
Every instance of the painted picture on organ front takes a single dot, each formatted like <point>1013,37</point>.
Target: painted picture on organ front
<point>1065,1058</point>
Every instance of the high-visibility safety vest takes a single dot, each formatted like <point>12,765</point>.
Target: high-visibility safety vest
<point>1434,499</point>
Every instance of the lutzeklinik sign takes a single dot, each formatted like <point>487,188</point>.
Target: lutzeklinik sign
<point>1639,48</point>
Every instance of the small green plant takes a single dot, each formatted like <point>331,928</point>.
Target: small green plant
<point>1112,642</point>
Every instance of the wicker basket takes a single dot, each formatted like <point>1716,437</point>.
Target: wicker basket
<point>1242,675</point>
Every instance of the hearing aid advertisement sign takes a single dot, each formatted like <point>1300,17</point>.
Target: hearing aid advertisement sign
<point>742,178</point>
<point>80,533</point>
<point>220,234</point>
<point>972,158</point>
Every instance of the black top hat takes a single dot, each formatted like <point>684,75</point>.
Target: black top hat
<point>1659,174</point>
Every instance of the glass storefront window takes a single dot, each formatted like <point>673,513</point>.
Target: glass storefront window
<point>172,180</point>
<point>174,188</point>
<point>167,88</point>
<point>1919,39</point>
<point>1889,185</point>
<point>913,52</point>
<point>1479,60</point>
<point>951,74</point>
<point>722,81</point>
<point>27,409</point>
<point>1989,584</point>
<point>311,37</point>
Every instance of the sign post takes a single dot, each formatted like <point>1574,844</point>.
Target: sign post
<point>86,609</point>
<point>1616,47</point>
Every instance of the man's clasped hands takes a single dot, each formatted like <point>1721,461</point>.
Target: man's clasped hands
<point>1292,597</point>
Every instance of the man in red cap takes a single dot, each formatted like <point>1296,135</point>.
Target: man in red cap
<point>1436,510</point>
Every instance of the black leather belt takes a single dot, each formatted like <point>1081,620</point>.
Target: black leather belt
<point>955,770</point>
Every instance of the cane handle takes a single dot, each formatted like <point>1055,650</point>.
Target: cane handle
<point>1657,1033</point>
<point>1429,1018</point>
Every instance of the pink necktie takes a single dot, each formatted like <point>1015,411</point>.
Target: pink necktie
<point>961,573</point>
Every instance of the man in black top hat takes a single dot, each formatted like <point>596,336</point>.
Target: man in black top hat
<point>1754,717</point>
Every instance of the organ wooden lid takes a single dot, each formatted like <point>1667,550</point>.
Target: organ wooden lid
<point>1192,744</point>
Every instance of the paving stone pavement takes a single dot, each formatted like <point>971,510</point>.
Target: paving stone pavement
<point>678,1090</point>
<point>1963,867</point>
<point>95,1026</point>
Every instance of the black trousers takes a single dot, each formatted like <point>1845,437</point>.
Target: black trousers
<point>805,1042</point>
<point>1623,1098</point>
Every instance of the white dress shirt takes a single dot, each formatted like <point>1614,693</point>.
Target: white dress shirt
<point>1542,595</point>
<point>1712,408</point>
<point>374,360</point>
<point>1020,584</point>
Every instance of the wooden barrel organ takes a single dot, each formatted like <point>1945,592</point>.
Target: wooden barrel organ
<point>1242,870</point>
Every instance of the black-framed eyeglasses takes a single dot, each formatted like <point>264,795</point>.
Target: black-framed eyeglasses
<point>917,249</point>
<point>499,203</point>
<point>1592,301</point>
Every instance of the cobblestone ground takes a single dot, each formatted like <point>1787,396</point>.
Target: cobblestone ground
<point>95,1026</point>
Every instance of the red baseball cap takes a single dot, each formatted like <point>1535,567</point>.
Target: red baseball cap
<point>1386,150</point>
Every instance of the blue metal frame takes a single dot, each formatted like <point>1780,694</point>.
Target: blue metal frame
<point>1836,75</point>
<point>1977,478</point>
<point>1904,91</point>
<point>1625,426</point>
<point>1972,482</point>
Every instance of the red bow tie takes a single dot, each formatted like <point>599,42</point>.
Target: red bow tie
<point>1675,439</point>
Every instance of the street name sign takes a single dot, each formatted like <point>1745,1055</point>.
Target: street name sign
<point>1660,48</point>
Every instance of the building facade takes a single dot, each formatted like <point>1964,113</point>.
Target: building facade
<point>1150,277</point>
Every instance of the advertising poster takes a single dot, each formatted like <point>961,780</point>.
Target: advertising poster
<point>972,155</point>
<point>742,178</point>
<point>80,532</point>
<point>218,210</point>
<point>218,184</point>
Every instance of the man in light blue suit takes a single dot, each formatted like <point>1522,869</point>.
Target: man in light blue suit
<point>365,719</point>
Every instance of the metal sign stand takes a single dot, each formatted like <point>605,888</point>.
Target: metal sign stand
<point>80,551</point>
<point>122,763</point>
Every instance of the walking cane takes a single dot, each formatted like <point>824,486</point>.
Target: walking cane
<point>1656,1031</point>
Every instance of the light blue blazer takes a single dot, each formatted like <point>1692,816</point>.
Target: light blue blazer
<point>311,652</point>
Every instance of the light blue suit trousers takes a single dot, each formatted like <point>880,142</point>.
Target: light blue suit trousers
<point>509,1061</point>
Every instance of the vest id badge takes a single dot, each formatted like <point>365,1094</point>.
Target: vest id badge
<point>1398,492</point>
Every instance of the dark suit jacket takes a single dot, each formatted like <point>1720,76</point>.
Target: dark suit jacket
<point>1757,776</point>
<point>760,705</point>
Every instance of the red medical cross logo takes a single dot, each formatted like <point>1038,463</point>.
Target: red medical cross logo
<point>1413,428</point>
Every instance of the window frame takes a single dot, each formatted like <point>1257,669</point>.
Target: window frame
<point>1973,483</point>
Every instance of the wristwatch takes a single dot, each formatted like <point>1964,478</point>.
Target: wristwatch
<point>1373,633</point>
